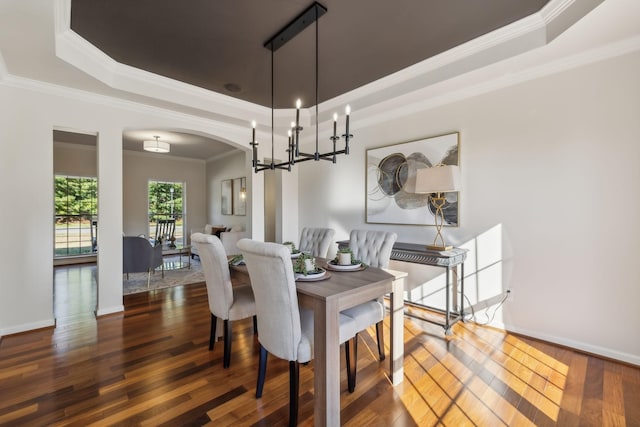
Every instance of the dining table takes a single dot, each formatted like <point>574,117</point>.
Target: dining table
<point>327,296</point>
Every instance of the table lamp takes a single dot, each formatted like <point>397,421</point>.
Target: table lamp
<point>438,179</point>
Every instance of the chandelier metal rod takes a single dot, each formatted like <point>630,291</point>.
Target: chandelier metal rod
<point>302,21</point>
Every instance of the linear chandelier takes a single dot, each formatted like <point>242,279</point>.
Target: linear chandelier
<point>290,31</point>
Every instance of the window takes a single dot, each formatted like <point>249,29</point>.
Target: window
<point>166,202</point>
<point>76,215</point>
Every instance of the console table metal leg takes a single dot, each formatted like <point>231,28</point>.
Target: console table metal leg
<point>462,291</point>
<point>447,324</point>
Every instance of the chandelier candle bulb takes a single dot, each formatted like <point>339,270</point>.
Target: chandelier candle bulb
<point>335,123</point>
<point>253,136</point>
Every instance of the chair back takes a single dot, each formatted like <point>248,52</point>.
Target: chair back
<point>138,255</point>
<point>316,241</point>
<point>165,228</point>
<point>274,289</point>
<point>213,259</point>
<point>372,247</point>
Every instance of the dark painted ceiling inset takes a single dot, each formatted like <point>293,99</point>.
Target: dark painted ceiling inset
<point>218,45</point>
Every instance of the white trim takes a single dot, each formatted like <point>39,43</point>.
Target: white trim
<point>554,9</point>
<point>3,68</point>
<point>518,37</point>
<point>109,310</point>
<point>420,100</point>
<point>226,132</point>
<point>578,345</point>
<point>72,146</point>
<point>384,110</point>
<point>78,52</point>
<point>25,327</point>
<point>148,154</point>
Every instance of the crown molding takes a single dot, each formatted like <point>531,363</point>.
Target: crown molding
<point>423,100</point>
<point>161,156</point>
<point>227,154</point>
<point>518,37</point>
<point>225,131</point>
<point>75,50</point>
<point>394,96</point>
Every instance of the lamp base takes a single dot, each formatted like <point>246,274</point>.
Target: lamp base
<point>439,248</point>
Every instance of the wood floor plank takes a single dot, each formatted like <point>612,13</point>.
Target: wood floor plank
<point>151,366</point>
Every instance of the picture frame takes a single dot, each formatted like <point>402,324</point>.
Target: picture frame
<point>240,196</point>
<point>226,197</point>
<point>390,181</point>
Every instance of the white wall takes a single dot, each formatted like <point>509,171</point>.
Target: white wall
<point>230,166</point>
<point>75,159</point>
<point>551,163</point>
<point>137,170</point>
<point>140,168</point>
<point>28,114</point>
<point>551,167</point>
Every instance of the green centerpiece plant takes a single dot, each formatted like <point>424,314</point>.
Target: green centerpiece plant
<point>305,264</point>
<point>344,256</point>
<point>292,247</point>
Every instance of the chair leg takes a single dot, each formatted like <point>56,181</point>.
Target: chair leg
<point>262,370</point>
<point>351,352</point>
<point>212,334</point>
<point>380,335</point>
<point>255,325</point>
<point>227,344</point>
<point>148,278</point>
<point>294,383</point>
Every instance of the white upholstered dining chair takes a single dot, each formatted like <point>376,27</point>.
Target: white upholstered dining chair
<point>284,329</point>
<point>226,302</point>
<point>316,241</point>
<point>374,249</point>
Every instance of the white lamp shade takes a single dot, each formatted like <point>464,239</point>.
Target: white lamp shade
<point>157,146</point>
<point>438,179</point>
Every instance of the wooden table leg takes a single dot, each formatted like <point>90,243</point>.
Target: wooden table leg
<point>327,363</point>
<point>396,351</point>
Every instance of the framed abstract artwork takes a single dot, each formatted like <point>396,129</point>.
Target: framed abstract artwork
<point>391,180</point>
<point>226,199</point>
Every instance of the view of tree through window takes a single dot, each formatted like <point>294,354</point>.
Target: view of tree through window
<point>165,202</point>
<point>76,215</point>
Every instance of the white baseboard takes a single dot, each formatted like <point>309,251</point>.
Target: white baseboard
<point>110,310</point>
<point>588,348</point>
<point>16,329</point>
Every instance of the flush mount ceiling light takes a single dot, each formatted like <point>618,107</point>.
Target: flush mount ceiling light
<point>290,31</point>
<point>156,146</point>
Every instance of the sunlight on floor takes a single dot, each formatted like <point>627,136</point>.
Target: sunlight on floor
<point>506,382</point>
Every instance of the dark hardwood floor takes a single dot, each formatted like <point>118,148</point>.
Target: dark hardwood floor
<point>150,366</point>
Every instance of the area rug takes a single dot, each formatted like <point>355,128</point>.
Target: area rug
<point>184,276</point>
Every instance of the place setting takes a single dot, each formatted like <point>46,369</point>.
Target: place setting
<point>305,269</point>
<point>344,261</point>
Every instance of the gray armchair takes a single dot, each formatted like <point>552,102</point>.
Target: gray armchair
<point>138,256</point>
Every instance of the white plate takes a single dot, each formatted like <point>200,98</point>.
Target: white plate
<point>344,267</point>
<point>311,276</point>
